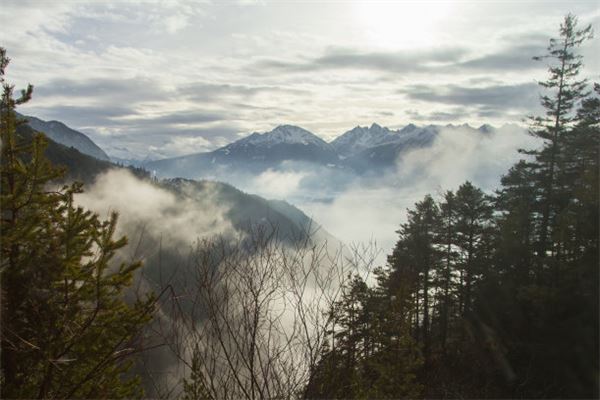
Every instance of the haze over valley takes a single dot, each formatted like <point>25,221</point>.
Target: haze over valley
<point>301,200</point>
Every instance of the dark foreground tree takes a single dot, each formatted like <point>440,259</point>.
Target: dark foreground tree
<point>563,95</point>
<point>500,294</point>
<point>66,330</point>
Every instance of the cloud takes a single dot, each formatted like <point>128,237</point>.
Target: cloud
<point>189,117</point>
<point>113,90</point>
<point>517,58</point>
<point>279,184</point>
<point>253,67</point>
<point>389,61</point>
<point>115,128</point>
<point>456,113</point>
<point>177,220</point>
<point>446,60</point>
<point>373,209</point>
<point>462,153</point>
<point>36,16</point>
<point>159,17</point>
<point>519,96</point>
<point>181,145</point>
<point>105,115</point>
<point>141,141</point>
<point>402,61</point>
<point>203,91</point>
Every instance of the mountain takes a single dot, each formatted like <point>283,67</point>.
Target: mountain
<point>385,155</point>
<point>361,150</point>
<point>60,133</point>
<point>286,142</point>
<point>255,153</point>
<point>78,166</point>
<point>361,138</point>
<point>246,210</point>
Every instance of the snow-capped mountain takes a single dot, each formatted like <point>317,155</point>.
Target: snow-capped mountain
<point>386,154</point>
<point>289,134</point>
<point>254,153</point>
<point>361,138</point>
<point>360,150</point>
<point>286,142</point>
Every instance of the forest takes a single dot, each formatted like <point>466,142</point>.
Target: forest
<point>485,295</point>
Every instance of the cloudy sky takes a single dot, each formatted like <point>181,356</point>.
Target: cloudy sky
<point>175,77</point>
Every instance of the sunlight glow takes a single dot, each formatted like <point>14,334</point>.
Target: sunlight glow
<point>401,24</point>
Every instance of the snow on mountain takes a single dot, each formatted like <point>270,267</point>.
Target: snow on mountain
<point>361,138</point>
<point>385,155</point>
<point>255,153</point>
<point>288,134</point>
<point>286,142</point>
<point>415,135</point>
<point>361,149</point>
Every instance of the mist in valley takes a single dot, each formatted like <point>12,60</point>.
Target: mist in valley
<point>299,200</point>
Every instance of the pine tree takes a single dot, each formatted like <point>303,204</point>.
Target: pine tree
<point>515,205</point>
<point>566,93</point>
<point>194,388</point>
<point>446,273</point>
<point>473,224</point>
<point>66,330</point>
<point>373,354</point>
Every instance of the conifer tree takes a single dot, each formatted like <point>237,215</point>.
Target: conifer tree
<point>373,354</point>
<point>419,235</point>
<point>515,204</point>
<point>565,94</point>
<point>474,215</point>
<point>194,388</point>
<point>445,274</point>
<point>66,330</point>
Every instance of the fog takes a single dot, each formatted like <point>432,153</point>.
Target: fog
<point>145,206</point>
<point>362,211</point>
<point>279,184</point>
<point>367,209</point>
<point>183,236</point>
<point>354,209</point>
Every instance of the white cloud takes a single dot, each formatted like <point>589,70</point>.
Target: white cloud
<point>172,44</point>
<point>182,145</point>
<point>375,209</point>
<point>179,221</point>
<point>278,184</point>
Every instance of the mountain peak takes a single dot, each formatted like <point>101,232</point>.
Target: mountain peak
<point>408,128</point>
<point>289,134</point>
<point>485,128</point>
<point>360,138</point>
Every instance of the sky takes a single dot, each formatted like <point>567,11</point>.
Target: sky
<point>166,78</point>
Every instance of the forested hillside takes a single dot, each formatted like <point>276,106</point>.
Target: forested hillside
<point>484,295</point>
<point>489,296</point>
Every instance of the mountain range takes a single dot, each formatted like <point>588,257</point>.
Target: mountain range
<point>246,211</point>
<point>363,149</point>
<point>360,150</point>
<point>322,168</point>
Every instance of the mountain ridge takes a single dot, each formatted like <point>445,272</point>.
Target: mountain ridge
<point>67,136</point>
<point>359,150</point>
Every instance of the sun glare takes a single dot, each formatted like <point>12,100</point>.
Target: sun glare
<point>401,24</point>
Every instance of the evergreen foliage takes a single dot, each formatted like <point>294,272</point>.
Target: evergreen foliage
<point>194,388</point>
<point>66,330</point>
<point>483,296</point>
<point>497,295</point>
<point>371,353</point>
